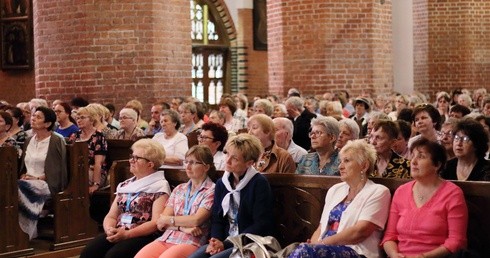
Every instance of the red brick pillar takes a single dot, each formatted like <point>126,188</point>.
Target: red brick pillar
<point>112,51</point>
<point>326,45</point>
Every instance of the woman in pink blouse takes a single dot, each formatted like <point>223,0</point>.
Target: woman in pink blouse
<point>132,220</point>
<point>428,216</point>
<point>186,215</point>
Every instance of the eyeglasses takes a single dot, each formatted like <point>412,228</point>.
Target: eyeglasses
<point>124,117</point>
<point>192,162</point>
<point>81,117</point>
<point>445,134</point>
<point>458,138</point>
<point>58,111</point>
<point>316,133</point>
<point>203,137</point>
<point>135,158</point>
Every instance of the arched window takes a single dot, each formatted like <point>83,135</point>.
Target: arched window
<point>210,53</point>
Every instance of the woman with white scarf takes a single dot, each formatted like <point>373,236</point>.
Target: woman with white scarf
<point>243,201</point>
<point>131,221</point>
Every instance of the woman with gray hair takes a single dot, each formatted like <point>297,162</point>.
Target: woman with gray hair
<point>355,210</point>
<point>324,161</point>
<point>263,106</point>
<point>349,130</point>
<point>175,143</point>
<point>128,118</point>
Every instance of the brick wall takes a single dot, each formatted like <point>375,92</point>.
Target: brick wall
<point>326,45</point>
<point>454,45</point>
<point>112,51</point>
<point>253,74</point>
<point>16,86</point>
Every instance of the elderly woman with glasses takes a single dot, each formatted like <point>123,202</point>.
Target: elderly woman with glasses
<point>87,119</point>
<point>428,216</point>
<point>325,160</point>
<point>243,201</point>
<point>175,143</point>
<point>214,136</point>
<point>132,219</point>
<point>355,210</point>
<point>128,121</point>
<point>470,144</point>
<point>188,114</point>
<point>185,220</point>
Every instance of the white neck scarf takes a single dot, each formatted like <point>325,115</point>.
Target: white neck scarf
<point>225,203</point>
<point>153,183</point>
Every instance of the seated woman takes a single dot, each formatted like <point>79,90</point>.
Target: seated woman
<point>175,143</point>
<point>6,123</point>
<point>470,144</point>
<point>186,215</point>
<point>349,131</point>
<point>128,121</point>
<point>188,114</point>
<point>428,216</point>
<point>243,201</point>
<point>355,210</point>
<point>427,121</point>
<point>101,112</point>
<point>131,221</point>
<point>43,169</point>
<point>325,160</point>
<point>87,118</point>
<point>214,136</point>
<point>16,131</point>
<point>67,125</point>
<point>274,159</point>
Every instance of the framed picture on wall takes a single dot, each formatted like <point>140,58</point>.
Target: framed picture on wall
<point>15,9</point>
<point>16,45</point>
<point>260,24</point>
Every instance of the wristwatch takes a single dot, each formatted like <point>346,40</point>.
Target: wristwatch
<point>172,221</point>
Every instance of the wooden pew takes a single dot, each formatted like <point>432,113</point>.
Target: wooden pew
<point>72,223</point>
<point>13,241</point>
<point>299,201</point>
<point>192,138</point>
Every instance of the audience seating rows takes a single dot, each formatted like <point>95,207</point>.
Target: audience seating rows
<point>71,223</point>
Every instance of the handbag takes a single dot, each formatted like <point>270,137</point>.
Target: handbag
<point>250,245</point>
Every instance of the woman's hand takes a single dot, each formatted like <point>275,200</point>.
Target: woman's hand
<point>118,235</point>
<point>215,246</point>
<point>162,222</point>
<point>194,231</point>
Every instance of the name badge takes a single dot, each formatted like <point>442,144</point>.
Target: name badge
<point>127,219</point>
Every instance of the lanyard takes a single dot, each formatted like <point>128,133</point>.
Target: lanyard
<point>129,200</point>
<point>188,203</point>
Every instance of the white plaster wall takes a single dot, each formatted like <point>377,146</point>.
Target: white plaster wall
<point>403,46</point>
<point>234,5</point>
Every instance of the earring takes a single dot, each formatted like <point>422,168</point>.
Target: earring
<point>362,176</point>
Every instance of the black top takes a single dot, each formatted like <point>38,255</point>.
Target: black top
<point>480,172</point>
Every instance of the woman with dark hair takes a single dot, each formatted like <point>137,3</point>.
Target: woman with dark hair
<point>214,136</point>
<point>485,122</point>
<point>428,216</point>
<point>16,131</point>
<point>175,143</point>
<point>43,168</point>
<point>5,125</point>
<point>66,123</point>
<point>443,99</point>
<point>427,122</point>
<point>470,144</point>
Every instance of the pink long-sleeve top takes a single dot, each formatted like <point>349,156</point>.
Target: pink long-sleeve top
<point>442,220</point>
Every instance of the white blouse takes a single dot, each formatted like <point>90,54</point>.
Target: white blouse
<point>35,158</point>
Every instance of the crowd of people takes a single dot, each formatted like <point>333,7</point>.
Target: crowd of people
<point>391,136</point>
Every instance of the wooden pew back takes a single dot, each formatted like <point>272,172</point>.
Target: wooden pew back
<point>299,201</point>
<point>13,241</point>
<point>72,223</point>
